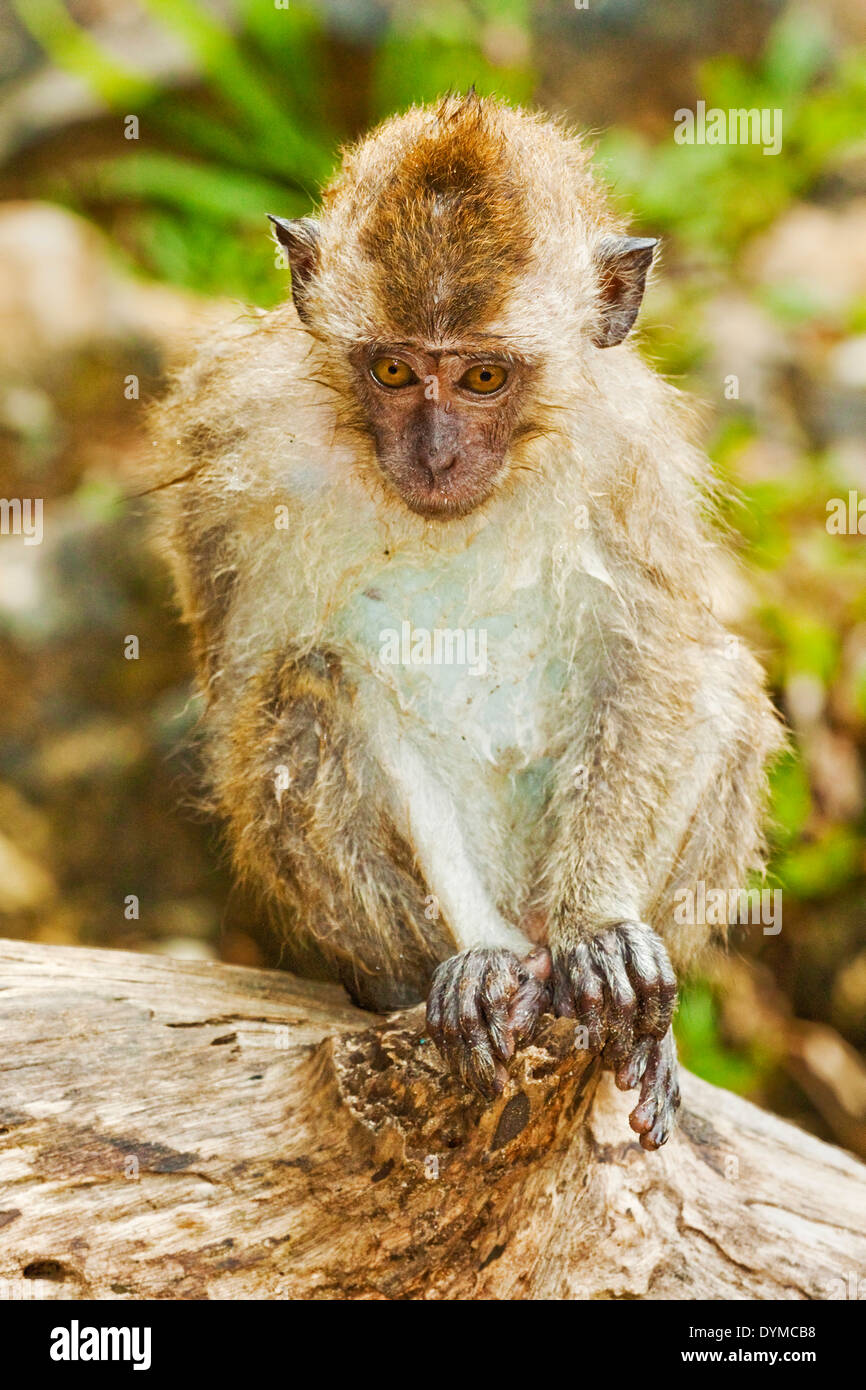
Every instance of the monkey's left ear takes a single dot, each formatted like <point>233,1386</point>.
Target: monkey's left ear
<point>300,240</point>
<point>622,263</point>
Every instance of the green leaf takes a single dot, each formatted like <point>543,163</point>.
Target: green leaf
<point>243,82</point>
<point>820,868</point>
<point>76,51</point>
<point>798,48</point>
<point>790,797</point>
<point>697,1032</point>
<point>197,188</point>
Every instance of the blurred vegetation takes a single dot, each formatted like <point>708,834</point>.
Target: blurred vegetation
<point>263,127</point>
<point>257,129</point>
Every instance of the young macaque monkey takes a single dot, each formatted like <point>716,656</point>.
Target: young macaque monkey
<point>445,446</point>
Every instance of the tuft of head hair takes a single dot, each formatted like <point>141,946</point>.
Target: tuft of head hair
<point>465,217</point>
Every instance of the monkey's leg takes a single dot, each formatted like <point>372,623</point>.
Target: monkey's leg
<point>309,820</point>
<point>483,1005</point>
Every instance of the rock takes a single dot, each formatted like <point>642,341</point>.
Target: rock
<point>61,292</point>
<point>817,252</point>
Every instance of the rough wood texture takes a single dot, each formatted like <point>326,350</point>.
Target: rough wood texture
<point>191,1131</point>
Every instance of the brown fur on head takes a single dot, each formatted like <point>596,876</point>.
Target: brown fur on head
<point>459,247</point>
<point>451,232</point>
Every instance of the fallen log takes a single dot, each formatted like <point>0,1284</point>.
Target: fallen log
<point>182,1130</point>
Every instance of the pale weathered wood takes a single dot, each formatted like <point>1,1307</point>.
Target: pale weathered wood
<point>187,1130</point>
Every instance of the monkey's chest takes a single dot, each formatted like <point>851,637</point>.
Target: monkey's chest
<point>467,675</point>
<point>460,690</point>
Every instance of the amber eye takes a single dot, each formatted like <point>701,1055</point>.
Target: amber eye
<point>483,378</point>
<point>392,371</point>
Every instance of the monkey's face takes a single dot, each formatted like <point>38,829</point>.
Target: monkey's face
<point>442,421</point>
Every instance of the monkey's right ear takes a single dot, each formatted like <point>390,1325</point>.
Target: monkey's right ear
<point>300,241</point>
<point>622,263</point>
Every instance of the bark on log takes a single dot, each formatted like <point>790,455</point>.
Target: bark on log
<point>181,1130</point>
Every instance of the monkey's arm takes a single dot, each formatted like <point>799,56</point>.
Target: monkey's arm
<point>305,806</point>
<point>662,786</point>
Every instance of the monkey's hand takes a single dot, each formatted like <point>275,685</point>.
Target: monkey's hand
<point>620,987</point>
<point>483,1005</point>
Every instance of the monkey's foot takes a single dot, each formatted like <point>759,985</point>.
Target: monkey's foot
<point>620,987</point>
<point>483,1005</point>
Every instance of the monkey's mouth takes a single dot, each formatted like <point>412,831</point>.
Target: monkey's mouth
<point>444,497</point>
<point>441,504</point>
<point>441,507</point>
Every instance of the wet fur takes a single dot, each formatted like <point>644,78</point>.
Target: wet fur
<point>499,209</point>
